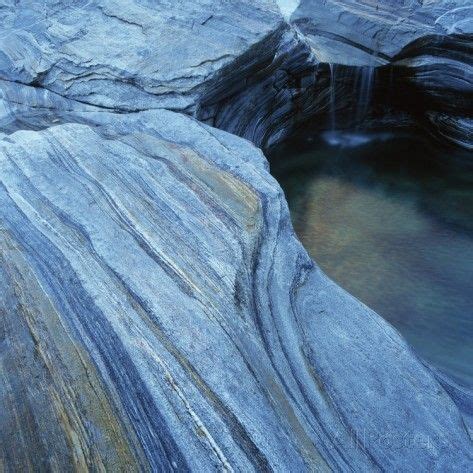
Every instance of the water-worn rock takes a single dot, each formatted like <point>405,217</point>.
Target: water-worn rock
<point>260,79</point>
<point>282,87</point>
<point>128,55</point>
<point>434,76</point>
<point>220,61</point>
<point>428,46</point>
<point>373,32</point>
<point>159,313</point>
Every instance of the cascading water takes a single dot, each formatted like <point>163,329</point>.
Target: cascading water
<point>356,110</point>
<point>365,91</point>
<point>332,97</point>
<point>331,135</point>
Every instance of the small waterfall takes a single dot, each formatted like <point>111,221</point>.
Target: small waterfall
<point>331,135</point>
<point>391,92</point>
<point>355,106</point>
<point>332,98</point>
<point>365,91</point>
<point>363,82</point>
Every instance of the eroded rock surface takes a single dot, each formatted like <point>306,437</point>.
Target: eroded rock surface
<point>435,76</point>
<point>236,65</point>
<point>128,55</point>
<point>427,45</point>
<point>373,32</point>
<point>157,311</point>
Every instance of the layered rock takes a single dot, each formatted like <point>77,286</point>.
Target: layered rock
<point>425,48</point>
<point>281,88</point>
<point>434,76</point>
<point>373,32</point>
<point>227,61</point>
<point>159,314</point>
<point>260,80</point>
<point>118,54</point>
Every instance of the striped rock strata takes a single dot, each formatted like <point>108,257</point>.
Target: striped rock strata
<point>158,313</point>
<point>434,75</point>
<point>372,32</point>
<point>118,54</point>
<point>235,66</point>
<point>426,49</point>
<point>127,56</point>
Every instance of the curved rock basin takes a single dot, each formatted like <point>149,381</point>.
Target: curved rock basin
<point>384,218</point>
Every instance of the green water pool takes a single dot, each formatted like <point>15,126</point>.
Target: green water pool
<point>389,216</point>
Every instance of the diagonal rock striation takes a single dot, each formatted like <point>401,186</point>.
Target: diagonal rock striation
<point>175,322</point>
<point>158,312</point>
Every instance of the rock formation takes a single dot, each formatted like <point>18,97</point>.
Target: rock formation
<point>434,76</point>
<point>158,312</point>
<point>426,47</point>
<point>118,54</point>
<point>373,32</point>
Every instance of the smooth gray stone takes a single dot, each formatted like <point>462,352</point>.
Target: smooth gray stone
<point>159,313</point>
<point>371,33</point>
<point>28,107</point>
<point>128,54</point>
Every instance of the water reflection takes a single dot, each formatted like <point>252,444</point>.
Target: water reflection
<point>387,219</point>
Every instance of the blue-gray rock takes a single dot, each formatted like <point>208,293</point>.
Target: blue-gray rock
<point>427,48</point>
<point>434,74</point>
<point>159,313</point>
<point>373,32</point>
<point>128,55</point>
<point>194,57</point>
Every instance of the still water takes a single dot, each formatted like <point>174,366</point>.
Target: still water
<point>385,218</point>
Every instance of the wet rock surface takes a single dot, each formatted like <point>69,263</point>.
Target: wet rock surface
<point>434,74</point>
<point>425,47</point>
<point>158,312</point>
<point>373,32</point>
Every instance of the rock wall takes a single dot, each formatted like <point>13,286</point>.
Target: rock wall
<point>423,51</point>
<point>433,76</point>
<point>270,89</point>
<point>260,80</point>
<point>372,32</point>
